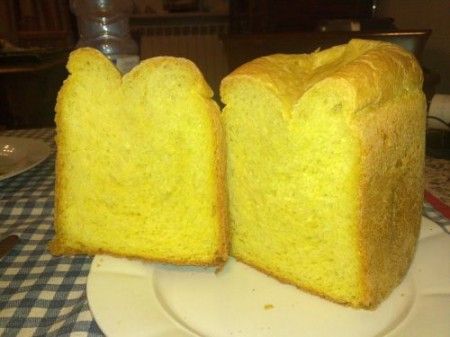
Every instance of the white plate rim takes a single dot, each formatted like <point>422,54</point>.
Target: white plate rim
<point>41,151</point>
<point>169,326</point>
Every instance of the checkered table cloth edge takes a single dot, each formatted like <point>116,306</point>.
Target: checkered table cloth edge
<point>42,295</point>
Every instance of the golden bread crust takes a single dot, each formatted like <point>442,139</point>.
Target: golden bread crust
<point>290,76</point>
<point>392,165</point>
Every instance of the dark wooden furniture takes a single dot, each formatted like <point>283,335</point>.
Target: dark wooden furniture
<point>269,16</point>
<point>30,76</point>
<point>28,92</point>
<point>40,23</point>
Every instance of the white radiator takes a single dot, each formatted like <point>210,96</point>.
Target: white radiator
<point>200,44</point>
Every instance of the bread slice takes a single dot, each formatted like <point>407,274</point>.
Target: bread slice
<point>325,167</point>
<point>140,162</point>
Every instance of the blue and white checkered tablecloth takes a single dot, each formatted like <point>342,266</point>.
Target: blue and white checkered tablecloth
<point>42,295</point>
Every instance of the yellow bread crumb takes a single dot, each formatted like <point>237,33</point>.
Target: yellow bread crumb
<point>140,162</point>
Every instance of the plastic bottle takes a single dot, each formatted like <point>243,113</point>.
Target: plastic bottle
<point>103,24</point>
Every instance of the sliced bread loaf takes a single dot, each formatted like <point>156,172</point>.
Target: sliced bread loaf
<point>140,162</point>
<point>325,167</point>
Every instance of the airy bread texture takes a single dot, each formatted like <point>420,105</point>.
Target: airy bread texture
<point>325,167</point>
<point>140,165</point>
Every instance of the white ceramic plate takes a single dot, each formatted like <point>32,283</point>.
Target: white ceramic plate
<point>132,298</point>
<point>18,155</point>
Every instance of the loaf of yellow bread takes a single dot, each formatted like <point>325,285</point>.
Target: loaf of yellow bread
<point>325,167</point>
<point>140,162</point>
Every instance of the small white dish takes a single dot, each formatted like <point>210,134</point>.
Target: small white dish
<point>134,298</point>
<point>18,155</point>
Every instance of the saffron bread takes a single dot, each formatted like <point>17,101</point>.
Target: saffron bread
<point>325,158</point>
<point>140,162</point>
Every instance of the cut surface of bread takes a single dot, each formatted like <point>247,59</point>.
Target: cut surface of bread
<point>140,162</point>
<point>325,167</point>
